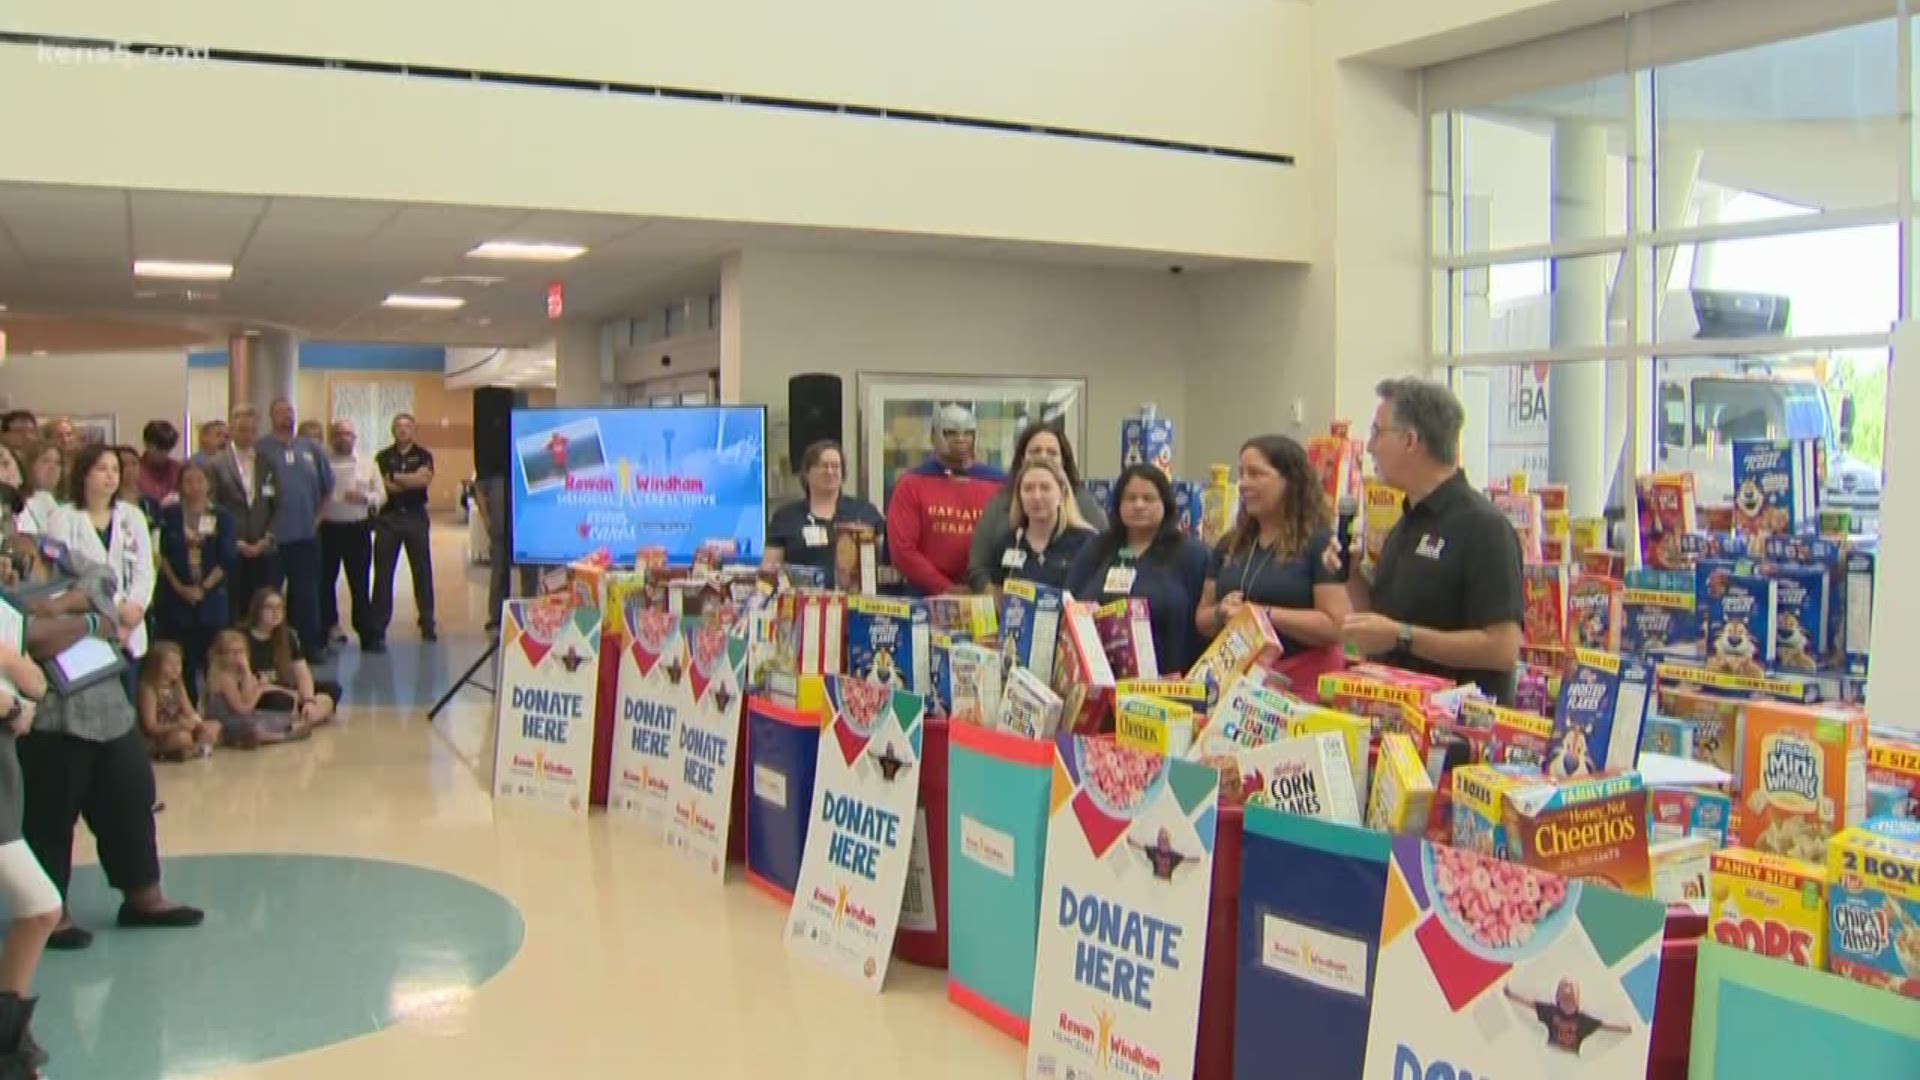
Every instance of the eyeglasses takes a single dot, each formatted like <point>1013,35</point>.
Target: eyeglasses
<point>1389,430</point>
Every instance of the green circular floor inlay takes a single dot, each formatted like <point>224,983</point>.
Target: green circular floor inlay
<point>298,952</point>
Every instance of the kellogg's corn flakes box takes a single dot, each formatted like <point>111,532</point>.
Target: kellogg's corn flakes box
<point>1803,777</point>
<point>1770,905</point>
<point>1873,909</point>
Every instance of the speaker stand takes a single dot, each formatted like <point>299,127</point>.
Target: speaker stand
<point>466,679</point>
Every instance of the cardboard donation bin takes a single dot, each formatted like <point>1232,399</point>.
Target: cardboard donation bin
<point>783,747</point>
<point>1758,1016</point>
<point>997,809</point>
<point>922,937</point>
<point>1213,1053</point>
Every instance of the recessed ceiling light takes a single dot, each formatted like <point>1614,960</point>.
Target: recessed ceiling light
<point>182,271</point>
<point>526,251</point>
<point>3,307</point>
<point>478,281</point>
<point>418,302</point>
<point>39,352</point>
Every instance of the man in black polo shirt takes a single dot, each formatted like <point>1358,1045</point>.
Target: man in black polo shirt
<point>1447,596</point>
<point>407,469</point>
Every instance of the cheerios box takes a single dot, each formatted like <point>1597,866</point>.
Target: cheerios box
<point>1591,829</point>
<point>1873,907</point>
<point>1803,777</point>
<point>1154,724</point>
<point>1769,904</point>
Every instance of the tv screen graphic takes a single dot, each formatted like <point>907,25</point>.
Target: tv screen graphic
<point>628,479</point>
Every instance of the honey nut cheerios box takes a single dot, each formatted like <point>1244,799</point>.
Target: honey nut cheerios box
<point>1589,829</point>
<point>1873,911</point>
<point>1769,904</point>
<point>1803,777</point>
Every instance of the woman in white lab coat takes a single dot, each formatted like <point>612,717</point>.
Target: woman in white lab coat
<point>45,490</point>
<point>99,528</point>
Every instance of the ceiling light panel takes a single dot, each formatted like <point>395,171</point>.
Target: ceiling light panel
<point>527,251</point>
<point>423,302</point>
<point>173,270</point>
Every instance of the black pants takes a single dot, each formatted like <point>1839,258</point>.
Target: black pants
<point>249,577</point>
<point>300,559</point>
<point>390,532</point>
<point>110,784</point>
<point>345,545</point>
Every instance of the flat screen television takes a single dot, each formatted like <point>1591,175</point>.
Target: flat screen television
<point>625,479</point>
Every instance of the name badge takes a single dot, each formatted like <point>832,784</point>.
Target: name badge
<point>1013,559</point>
<point>814,535</point>
<point>205,526</point>
<point>289,457</point>
<point>1119,580</point>
<point>266,490</point>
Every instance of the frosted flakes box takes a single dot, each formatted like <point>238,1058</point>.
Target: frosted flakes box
<point>1774,487</point>
<point>1667,513</point>
<point>1738,613</point>
<point>1803,620</point>
<point>1153,724</point>
<point>1127,635</point>
<point>1803,777</point>
<point>1770,905</point>
<point>1785,686</point>
<point>1513,737</point>
<point>968,617</point>
<point>1594,612</point>
<point>1601,711</point>
<point>1856,632</point>
<point>1677,812</point>
<point>1030,616</point>
<point>1028,706</point>
<point>1660,623</point>
<point>889,641</point>
<point>1189,506</point>
<point>1893,760</point>
<point>1873,926</point>
<point>1248,639</point>
<point>1402,791</point>
<point>1146,438</point>
<point>1591,829</point>
<point>1081,674</point>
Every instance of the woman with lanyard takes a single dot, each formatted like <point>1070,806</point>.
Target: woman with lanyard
<point>801,532</point>
<point>197,556</point>
<point>1272,557</point>
<point>1143,554</point>
<point>102,529</point>
<point>45,489</point>
<point>1048,531</point>
<point>1046,442</point>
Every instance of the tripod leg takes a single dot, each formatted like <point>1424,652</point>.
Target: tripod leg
<point>447,698</point>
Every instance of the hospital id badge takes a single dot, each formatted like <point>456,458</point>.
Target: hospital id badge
<point>1013,559</point>
<point>206,526</point>
<point>1119,580</point>
<point>814,535</point>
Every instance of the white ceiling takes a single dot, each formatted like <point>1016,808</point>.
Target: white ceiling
<point>321,267</point>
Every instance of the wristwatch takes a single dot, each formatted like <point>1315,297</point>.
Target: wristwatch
<point>1406,636</point>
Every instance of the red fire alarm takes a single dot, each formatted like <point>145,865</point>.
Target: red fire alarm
<point>556,300</point>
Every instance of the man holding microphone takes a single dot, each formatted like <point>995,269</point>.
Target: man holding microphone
<point>1447,596</point>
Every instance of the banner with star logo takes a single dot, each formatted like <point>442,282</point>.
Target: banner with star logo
<point>547,691</point>
<point>652,699</point>
<point>866,788</point>
<point>706,745</point>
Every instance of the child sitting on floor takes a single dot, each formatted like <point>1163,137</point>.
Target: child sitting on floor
<point>238,700</point>
<point>274,655</point>
<point>174,729</point>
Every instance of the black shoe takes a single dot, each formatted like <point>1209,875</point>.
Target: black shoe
<point>20,1056</point>
<point>493,626</point>
<point>177,917</point>
<point>428,635</point>
<point>70,938</point>
<point>374,648</point>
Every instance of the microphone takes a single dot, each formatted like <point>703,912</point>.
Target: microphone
<point>1349,507</point>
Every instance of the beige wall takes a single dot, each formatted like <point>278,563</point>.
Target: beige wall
<point>133,387</point>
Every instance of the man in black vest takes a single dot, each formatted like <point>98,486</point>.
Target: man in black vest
<point>407,469</point>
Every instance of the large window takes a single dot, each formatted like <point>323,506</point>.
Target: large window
<point>1676,245</point>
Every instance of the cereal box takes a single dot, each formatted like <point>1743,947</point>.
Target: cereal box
<point>1383,507</point>
<point>1028,706</point>
<point>1336,457</point>
<point>1128,637</point>
<point>1598,719</point>
<point>1857,631</point>
<point>1713,720</point>
<point>1681,868</point>
<point>1592,829</point>
<point>1081,674</point>
<point>1392,706</point>
<point>1147,439</point>
<point>1775,686</point>
<point>974,684</point>
<point>856,558</point>
<point>889,641</point>
<point>1309,775</point>
<point>1480,807</point>
<point>1802,625</point>
<point>1513,737</point>
<point>1155,724</point>
<point>1030,616</point>
<point>1249,715</point>
<point>1100,491</point>
<point>968,617</point>
<point>1189,506</point>
<point>1402,791</point>
<point>1676,812</point>
<point>1774,486</point>
<point>1660,622</point>
<point>1545,616</point>
<point>939,675</point>
<point>1246,640</point>
<point>1594,607</point>
<point>1770,905</point>
<point>1803,777</point>
<point>1895,762</point>
<point>1738,613</point>
<point>1218,504</point>
<point>820,634</point>
<point>1873,927</point>
<point>1355,731</point>
<point>1667,735</point>
<point>1191,694</point>
<point>1608,563</point>
<point>1665,502</point>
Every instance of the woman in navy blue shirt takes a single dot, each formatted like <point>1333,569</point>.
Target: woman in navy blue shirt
<point>801,532</point>
<point>198,551</point>
<point>1144,554</point>
<point>1272,559</point>
<point>1048,531</point>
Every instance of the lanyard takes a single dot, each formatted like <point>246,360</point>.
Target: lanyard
<point>1251,571</point>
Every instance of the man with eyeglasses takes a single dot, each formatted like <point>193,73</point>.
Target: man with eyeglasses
<point>1447,596</point>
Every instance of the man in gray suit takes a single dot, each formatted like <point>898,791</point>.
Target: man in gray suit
<point>243,483</point>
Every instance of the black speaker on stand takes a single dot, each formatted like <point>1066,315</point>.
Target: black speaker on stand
<point>492,461</point>
<point>813,413</point>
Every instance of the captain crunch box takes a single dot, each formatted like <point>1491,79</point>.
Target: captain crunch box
<point>1770,905</point>
<point>1246,640</point>
<point>1127,635</point>
<point>1593,829</point>
<point>1666,505</point>
<point>1803,777</point>
<point>1594,606</point>
<point>1602,708</point>
<point>1873,909</point>
<point>889,641</point>
<point>1030,616</point>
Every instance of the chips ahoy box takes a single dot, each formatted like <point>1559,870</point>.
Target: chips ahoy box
<point>890,641</point>
<point>1739,612</point>
<point>1873,906</point>
<point>1775,491</point>
<point>1603,705</point>
<point>1030,617</point>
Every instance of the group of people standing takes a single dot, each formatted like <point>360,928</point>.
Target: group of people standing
<point>1446,595</point>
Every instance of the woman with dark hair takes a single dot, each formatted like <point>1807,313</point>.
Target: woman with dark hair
<point>1044,442</point>
<point>1144,554</point>
<point>801,532</point>
<point>1272,558</point>
<point>198,554</point>
<point>159,470</point>
<point>100,527</point>
<point>45,489</point>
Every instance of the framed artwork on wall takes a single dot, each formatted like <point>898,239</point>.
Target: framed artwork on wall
<point>98,428</point>
<point>896,418</point>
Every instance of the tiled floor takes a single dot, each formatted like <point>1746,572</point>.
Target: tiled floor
<point>629,965</point>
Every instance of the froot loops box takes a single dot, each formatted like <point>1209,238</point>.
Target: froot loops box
<point>1770,905</point>
<point>1873,910</point>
